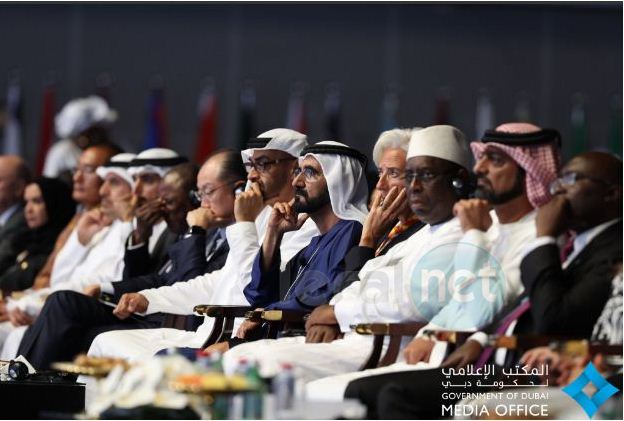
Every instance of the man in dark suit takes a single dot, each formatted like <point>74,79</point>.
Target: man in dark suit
<point>14,176</point>
<point>588,201</point>
<point>565,299</point>
<point>69,321</point>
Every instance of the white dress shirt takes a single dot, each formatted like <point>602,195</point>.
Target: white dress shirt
<point>385,291</point>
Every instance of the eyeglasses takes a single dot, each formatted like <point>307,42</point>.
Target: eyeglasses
<point>263,165</point>
<point>84,169</point>
<point>199,195</point>
<point>309,173</point>
<point>567,180</point>
<point>392,174</point>
<point>424,176</point>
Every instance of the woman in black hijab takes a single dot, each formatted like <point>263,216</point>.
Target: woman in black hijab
<point>49,207</point>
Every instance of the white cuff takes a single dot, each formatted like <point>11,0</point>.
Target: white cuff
<point>107,288</point>
<point>480,337</point>
<point>538,242</point>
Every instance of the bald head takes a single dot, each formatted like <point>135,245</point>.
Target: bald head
<point>595,196</point>
<point>602,165</point>
<point>14,176</point>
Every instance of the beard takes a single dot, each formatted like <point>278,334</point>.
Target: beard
<point>311,204</point>
<point>485,191</point>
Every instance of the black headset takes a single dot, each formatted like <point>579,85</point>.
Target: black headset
<point>464,188</point>
<point>18,370</point>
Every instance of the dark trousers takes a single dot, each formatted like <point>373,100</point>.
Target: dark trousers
<point>404,395</point>
<point>68,323</point>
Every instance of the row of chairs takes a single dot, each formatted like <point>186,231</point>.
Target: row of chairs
<point>294,321</point>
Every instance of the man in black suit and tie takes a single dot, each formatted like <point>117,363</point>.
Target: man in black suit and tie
<point>69,321</point>
<point>565,299</point>
<point>588,201</point>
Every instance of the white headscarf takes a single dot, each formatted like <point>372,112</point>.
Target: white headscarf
<point>346,182</point>
<point>82,113</point>
<point>117,165</point>
<point>286,140</point>
<point>155,161</point>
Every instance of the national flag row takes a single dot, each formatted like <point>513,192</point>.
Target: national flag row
<point>296,116</point>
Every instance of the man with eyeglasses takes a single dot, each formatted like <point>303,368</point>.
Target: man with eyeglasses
<point>330,188</point>
<point>385,226</point>
<point>267,185</point>
<point>69,321</point>
<point>437,155</point>
<point>94,252</point>
<point>588,201</point>
<point>565,299</point>
<point>515,164</point>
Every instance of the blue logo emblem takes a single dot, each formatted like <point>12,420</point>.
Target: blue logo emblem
<point>604,390</point>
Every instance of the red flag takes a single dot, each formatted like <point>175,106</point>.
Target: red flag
<point>46,131</point>
<point>296,115</point>
<point>207,136</point>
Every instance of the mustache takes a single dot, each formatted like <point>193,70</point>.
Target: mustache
<point>301,192</point>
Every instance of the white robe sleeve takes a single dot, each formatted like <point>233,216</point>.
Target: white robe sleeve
<point>68,258</point>
<point>104,263</point>
<point>214,287</point>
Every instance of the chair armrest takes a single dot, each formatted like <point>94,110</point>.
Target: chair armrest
<point>286,316</point>
<point>221,311</point>
<point>395,331</point>
<point>392,329</point>
<point>455,337</point>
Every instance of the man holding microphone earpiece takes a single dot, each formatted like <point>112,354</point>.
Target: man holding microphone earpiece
<point>270,160</point>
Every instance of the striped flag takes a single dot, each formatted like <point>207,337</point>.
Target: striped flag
<point>12,140</point>
<point>389,110</point>
<point>156,136</point>
<point>46,129</point>
<point>207,110</point>
<point>484,118</point>
<point>103,84</point>
<point>331,107</point>
<point>247,119</point>
<point>578,124</point>
<point>296,112</point>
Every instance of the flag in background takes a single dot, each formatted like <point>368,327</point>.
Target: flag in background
<point>103,83</point>
<point>207,111</point>
<point>247,106</point>
<point>389,109</point>
<point>46,128</point>
<point>331,109</point>
<point>443,106</point>
<point>522,110</point>
<point>296,118</point>
<point>578,124</point>
<point>615,129</point>
<point>484,116</point>
<point>12,139</point>
<point>156,136</point>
